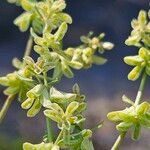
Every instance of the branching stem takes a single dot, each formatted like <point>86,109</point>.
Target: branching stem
<point>137,101</point>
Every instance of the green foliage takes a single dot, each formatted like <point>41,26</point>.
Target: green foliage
<point>34,80</point>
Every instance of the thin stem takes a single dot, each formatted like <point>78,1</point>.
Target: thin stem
<point>28,46</point>
<point>5,107</point>
<point>49,130</point>
<point>50,134</point>
<point>59,137</point>
<point>141,89</point>
<point>137,101</point>
<point>118,141</point>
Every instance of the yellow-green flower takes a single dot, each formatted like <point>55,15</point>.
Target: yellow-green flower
<point>133,117</point>
<point>140,35</point>
<point>67,118</point>
<point>36,97</point>
<point>140,62</point>
<point>44,16</point>
<point>18,82</point>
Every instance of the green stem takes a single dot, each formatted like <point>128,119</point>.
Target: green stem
<point>141,89</point>
<point>5,107</point>
<point>49,130</point>
<point>59,137</point>
<point>118,141</point>
<point>137,101</point>
<point>28,46</point>
<point>50,134</point>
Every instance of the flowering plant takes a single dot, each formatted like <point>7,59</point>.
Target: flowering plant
<point>33,82</point>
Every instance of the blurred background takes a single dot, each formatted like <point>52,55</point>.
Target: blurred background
<point>102,85</point>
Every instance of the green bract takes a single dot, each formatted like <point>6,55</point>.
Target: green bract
<point>140,62</point>
<point>133,117</point>
<point>140,36</point>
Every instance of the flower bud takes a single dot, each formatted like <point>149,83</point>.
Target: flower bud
<point>23,21</point>
<point>108,45</point>
<point>61,32</point>
<point>135,73</point>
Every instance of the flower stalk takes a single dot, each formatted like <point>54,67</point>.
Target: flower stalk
<point>5,107</point>
<point>121,137</point>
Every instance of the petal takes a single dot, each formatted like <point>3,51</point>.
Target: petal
<point>142,108</point>
<point>136,132</point>
<point>72,107</point>
<point>135,73</point>
<point>123,126</point>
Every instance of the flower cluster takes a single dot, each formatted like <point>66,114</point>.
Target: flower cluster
<point>133,117</point>
<point>140,36</point>
<point>140,62</point>
<point>137,115</point>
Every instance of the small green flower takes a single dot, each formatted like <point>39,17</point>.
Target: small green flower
<point>44,16</point>
<point>18,82</point>
<point>67,118</point>
<point>133,117</point>
<point>61,97</point>
<point>96,43</point>
<point>140,35</point>
<point>41,146</point>
<point>36,97</point>
<point>140,62</point>
<point>41,66</point>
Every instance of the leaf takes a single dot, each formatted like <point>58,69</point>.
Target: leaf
<point>17,63</point>
<point>27,5</point>
<point>34,109</point>
<point>45,99</point>
<point>27,103</point>
<point>145,121</point>
<point>61,97</point>
<point>75,64</point>
<point>76,89</point>
<point>136,132</point>
<point>87,145</point>
<point>144,53</point>
<point>133,60</point>
<point>35,92</point>
<point>135,73</point>
<point>23,21</point>
<point>55,116</point>
<point>59,35</point>
<point>72,107</point>
<point>4,81</point>
<point>123,126</point>
<point>142,108</point>
<point>99,60</point>
<point>114,116</point>
<point>66,70</point>
<point>82,106</point>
